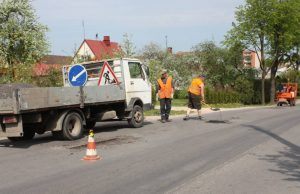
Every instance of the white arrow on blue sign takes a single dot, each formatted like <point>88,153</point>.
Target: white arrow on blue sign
<point>77,75</point>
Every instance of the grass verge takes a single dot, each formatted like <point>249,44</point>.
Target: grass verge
<point>156,112</point>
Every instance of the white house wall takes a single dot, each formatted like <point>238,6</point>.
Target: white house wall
<point>85,50</point>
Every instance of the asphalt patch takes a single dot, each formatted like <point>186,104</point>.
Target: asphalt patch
<point>218,121</point>
<point>118,140</point>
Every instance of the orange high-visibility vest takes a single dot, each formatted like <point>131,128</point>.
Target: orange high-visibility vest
<point>165,90</point>
<point>195,87</point>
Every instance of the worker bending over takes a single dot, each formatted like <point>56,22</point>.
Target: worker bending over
<point>196,96</point>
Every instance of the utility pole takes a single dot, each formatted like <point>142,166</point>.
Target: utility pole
<point>84,51</point>
<point>166,42</point>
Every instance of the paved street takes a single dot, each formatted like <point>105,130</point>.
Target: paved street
<point>256,151</point>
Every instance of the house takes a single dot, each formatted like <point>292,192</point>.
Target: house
<point>250,59</point>
<point>96,50</point>
<point>49,62</point>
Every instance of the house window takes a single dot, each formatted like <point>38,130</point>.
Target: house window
<point>135,70</point>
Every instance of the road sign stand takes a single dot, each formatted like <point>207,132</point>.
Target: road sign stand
<point>107,76</point>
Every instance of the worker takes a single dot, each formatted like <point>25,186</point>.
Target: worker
<point>196,96</point>
<point>165,91</point>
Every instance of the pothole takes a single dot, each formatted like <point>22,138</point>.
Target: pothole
<point>218,121</point>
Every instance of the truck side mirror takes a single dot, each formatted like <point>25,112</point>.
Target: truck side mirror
<point>146,68</point>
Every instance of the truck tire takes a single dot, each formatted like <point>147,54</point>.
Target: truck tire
<point>72,127</point>
<point>137,119</point>
<point>293,103</point>
<point>58,135</point>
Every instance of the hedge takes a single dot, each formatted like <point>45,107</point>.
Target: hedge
<point>212,97</point>
<point>223,97</point>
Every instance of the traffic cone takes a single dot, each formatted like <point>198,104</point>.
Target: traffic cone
<point>91,152</point>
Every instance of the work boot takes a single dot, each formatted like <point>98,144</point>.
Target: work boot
<point>167,119</point>
<point>186,118</point>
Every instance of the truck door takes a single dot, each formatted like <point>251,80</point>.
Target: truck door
<point>138,84</point>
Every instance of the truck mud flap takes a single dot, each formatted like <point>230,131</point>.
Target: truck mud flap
<point>12,129</point>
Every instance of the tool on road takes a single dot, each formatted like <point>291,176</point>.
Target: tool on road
<point>220,115</point>
<point>91,152</point>
<point>211,108</point>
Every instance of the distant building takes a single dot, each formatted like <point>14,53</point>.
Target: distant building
<point>250,59</point>
<point>49,62</point>
<point>96,49</point>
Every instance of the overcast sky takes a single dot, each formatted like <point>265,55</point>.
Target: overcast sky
<point>184,22</point>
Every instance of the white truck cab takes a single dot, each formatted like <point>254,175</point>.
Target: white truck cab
<point>131,74</point>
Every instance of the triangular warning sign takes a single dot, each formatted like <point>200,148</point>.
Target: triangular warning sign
<point>107,76</point>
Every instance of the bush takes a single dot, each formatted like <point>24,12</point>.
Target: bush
<point>245,88</point>
<point>153,95</point>
<point>53,79</point>
<point>221,97</point>
<point>181,94</point>
<point>257,91</point>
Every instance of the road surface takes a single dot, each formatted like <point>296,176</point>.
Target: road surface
<point>255,151</point>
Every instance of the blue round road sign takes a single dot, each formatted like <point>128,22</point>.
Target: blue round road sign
<point>77,75</point>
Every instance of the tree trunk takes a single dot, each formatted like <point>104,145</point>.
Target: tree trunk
<point>263,77</point>
<point>273,84</point>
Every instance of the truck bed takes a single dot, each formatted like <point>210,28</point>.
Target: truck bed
<point>16,100</point>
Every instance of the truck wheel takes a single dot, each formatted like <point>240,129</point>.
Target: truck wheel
<point>58,135</point>
<point>90,125</point>
<point>292,102</point>
<point>72,126</point>
<point>137,119</point>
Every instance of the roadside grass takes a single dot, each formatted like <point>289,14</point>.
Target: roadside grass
<point>176,102</point>
<point>156,112</point>
<point>184,102</point>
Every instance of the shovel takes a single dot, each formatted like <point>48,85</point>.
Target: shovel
<point>211,108</point>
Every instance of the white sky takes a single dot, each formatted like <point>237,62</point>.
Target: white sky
<point>185,23</point>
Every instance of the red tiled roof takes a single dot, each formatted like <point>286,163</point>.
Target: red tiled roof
<point>51,62</point>
<point>100,49</point>
<point>42,69</point>
<point>56,59</point>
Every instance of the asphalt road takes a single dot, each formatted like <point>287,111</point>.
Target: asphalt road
<point>249,151</point>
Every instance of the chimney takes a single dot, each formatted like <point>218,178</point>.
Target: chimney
<point>97,36</point>
<point>170,50</point>
<point>106,40</point>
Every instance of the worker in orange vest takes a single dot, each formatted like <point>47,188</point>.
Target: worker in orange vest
<point>165,92</point>
<point>196,96</point>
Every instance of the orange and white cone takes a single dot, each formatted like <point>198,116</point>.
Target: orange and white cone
<point>91,152</point>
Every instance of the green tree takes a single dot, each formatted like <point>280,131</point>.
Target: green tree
<point>22,37</point>
<point>264,26</point>
<point>219,64</point>
<point>250,30</point>
<point>127,46</point>
<point>284,34</point>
